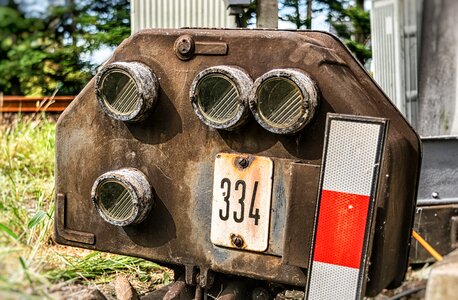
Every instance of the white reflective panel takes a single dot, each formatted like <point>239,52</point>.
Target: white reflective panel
<point>332,282</point>
<point>350,160</point>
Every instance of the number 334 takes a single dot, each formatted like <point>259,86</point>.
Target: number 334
<point>239,215</point>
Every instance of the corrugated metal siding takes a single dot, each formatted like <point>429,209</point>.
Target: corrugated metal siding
<point>410,38</point>
<point>179,13</point>
<point>383,46</point>
<point>395,40</point>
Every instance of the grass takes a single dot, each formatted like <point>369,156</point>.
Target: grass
<point>30,263</point>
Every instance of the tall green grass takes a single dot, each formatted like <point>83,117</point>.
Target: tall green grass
<point>29,261</point>
<point>26,210</point>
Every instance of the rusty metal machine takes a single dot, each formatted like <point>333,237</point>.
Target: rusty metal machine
<point>251,162</point>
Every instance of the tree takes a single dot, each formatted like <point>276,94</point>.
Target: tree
<point>246,18</point>
<point>352,24</point>
<point>104,22</point>
<point>296,16</point>
<point>27,54</point>
<point>32,60</point>
<point>48,52</point>
<point>348,19</point>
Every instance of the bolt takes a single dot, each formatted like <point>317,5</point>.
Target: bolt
<point>435,195</point>
<point>237,240</point>
<point>243,162</point>
<point>184,47</point>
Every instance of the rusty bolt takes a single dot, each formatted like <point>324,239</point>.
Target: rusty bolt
<point>243,162</point>
<point>184,47</point>
<point>237,240</point>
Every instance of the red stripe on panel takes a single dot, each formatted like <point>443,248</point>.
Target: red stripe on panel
<point>341,228</point>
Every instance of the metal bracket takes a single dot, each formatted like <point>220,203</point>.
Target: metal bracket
<point>211,48</point>
<point>186,48</point>
<point>190,274</point>
<point>206,278</point>
<point>194,275</point>
<point>69,234</point>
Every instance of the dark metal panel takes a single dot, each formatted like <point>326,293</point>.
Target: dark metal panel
<point>176,152</point>
<point>437,204</point>
<point>298,227</point>
<point>439,171</point>
<point>437,225</point>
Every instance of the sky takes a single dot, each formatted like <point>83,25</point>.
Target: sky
<point>37,7</point>
<point>318,23</point>
<point>100,56</point>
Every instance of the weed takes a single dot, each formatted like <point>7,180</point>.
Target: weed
<point>98,266</point>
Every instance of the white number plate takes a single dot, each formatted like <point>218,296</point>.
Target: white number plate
<point>242,192</point>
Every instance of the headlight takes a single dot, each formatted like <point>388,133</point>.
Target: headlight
<point>219,96</point>
<point>126,91</point>
<point>284,100</point>
<point>122,197</point>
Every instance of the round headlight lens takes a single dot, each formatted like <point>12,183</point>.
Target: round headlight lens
<point>115,200</point>
<point>284,101</point>
<point>120,94</point>
<point>280,102</point>
<point>126,91</point>
<point>219,96</point>
<point>122,197</point>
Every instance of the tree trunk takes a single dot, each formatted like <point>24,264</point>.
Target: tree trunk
<point>309,14</point>
<point>298,14</point>
<point>267,14</point>
<point>360,4</point>
<point>359,37</point>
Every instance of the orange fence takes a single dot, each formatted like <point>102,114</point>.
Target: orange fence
<point>14,104</point>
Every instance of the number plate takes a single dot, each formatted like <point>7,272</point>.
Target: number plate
<point>242,192</point>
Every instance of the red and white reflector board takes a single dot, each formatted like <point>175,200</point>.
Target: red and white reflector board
<point>345,210</point>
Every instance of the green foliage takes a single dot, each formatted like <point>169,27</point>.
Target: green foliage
<point>26,178</point>
<point>98,266</point>
<point>8,231</point>
<point>296,17</point>
<point>347,17</point>
<point>247,17</point>
<point>105,23</point>
<point>352,24</point>
<point>39,55</point>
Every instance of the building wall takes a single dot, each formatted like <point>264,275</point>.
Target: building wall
<point>395,26</point>
<point>179,13</point>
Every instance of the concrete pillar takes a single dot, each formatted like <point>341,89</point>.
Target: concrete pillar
<point>438,86</point>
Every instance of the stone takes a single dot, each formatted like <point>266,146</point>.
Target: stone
<point>124,290</point>
<point>443,280</point>
<point>78,292</point>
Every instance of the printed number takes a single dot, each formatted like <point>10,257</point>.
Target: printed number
<point>242,198</point>
<point>255,215</point>
<point>240,185</point>
<point>226,196</point>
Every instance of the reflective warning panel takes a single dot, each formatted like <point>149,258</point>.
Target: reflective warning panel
<point>352,153</point>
